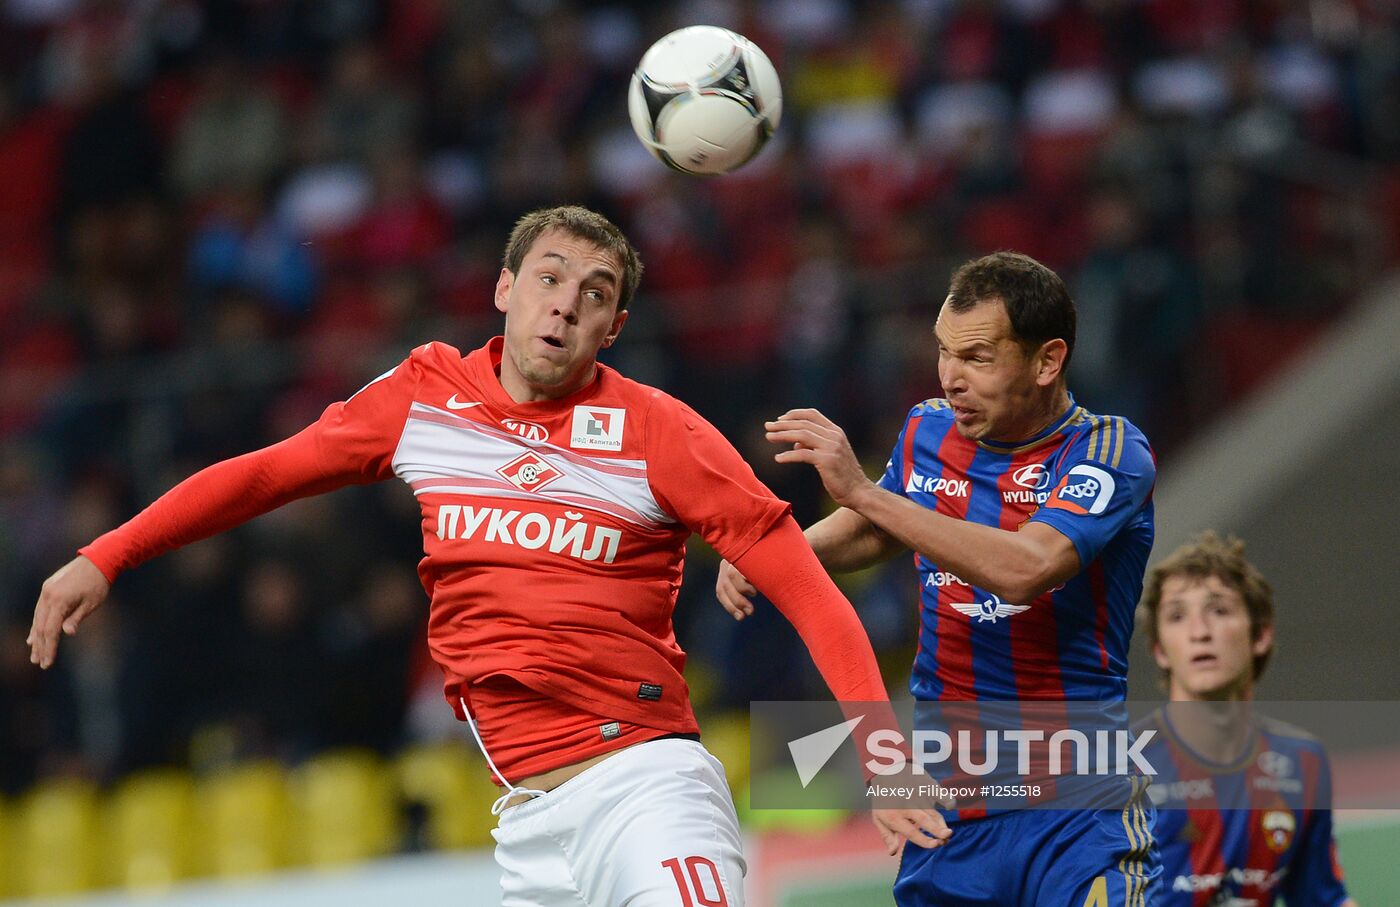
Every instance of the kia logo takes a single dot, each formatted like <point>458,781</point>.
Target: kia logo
<point>530,431</point>
<point>1032,476</point>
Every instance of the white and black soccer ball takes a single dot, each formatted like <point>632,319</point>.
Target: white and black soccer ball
<point>704,99</point>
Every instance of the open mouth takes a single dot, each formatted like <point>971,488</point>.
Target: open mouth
<point>554,342</point>
<point>1204,661</point>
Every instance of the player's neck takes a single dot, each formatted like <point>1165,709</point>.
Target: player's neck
<point>522,390</point>
<point>1216,725</point>
<point>1045,411</point>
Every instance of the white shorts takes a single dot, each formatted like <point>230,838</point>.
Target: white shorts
<point>652,825</point>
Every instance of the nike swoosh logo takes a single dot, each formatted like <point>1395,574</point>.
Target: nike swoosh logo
<point>454,403</point>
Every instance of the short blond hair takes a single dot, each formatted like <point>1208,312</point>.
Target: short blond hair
<point>1202,557</point>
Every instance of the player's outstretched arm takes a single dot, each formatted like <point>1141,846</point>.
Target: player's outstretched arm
<point>70,595</point>
<point>842,541</point>
<point>785,569</point>
<point>1017,565</point>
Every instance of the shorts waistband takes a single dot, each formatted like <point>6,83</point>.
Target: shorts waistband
<point>617,762</point>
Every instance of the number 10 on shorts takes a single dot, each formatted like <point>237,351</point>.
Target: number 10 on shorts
<point>695,886</point>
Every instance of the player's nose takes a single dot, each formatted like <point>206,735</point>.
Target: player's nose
<point>567,307</point>
<point>950,375</point>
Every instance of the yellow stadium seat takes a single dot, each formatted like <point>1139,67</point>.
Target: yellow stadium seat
<point>243,816</point>
<point>344,808</point>
<point>56,839</point>
<point>8,867</point>
<point>454,788</point>
<point>796,820</point>
<point>151,841</point>
<point>726,736</point>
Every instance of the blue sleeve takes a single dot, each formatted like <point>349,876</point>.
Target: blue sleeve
<point>893,479</point>
<point>1103,484</point>
<point>1314,875</point>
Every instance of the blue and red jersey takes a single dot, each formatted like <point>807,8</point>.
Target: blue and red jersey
<point>1247,832</point>
<point>1088,476</point>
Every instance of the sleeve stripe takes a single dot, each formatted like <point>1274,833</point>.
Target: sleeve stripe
<point>1105,439</point>
<point>1118,443</point>
<point>1093,436</point>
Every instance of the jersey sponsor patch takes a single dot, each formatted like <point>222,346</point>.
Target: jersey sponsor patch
<point>530,431</point>
<point>597,427</point>
<point>989,610</point>
<point>650,692</point>
<point>953,488</point>
<point>1033,476</point>
<point>529,472</point>
<point>1085,489</point>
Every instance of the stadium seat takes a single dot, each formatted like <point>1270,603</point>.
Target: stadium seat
<point>454,792</point>
<point>56,839</point>
<point>344,807</point>
<point>7,851</point>
<point>151,843</point>
<point>244,813</point>
<point>779,786</point>
<point>726,736</point>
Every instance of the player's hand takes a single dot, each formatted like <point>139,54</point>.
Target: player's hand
<point>734,591</point>
<point>817,440</point>
<point>67,597</point>
<point>925,828</point>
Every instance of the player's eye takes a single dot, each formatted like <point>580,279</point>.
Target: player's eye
<point>548,280</point>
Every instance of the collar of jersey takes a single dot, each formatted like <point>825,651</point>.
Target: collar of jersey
<point>1250,753</point>
<point>488,366</point>
<point>1068,416</point>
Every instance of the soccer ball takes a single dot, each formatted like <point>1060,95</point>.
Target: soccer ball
<point>704,99</point>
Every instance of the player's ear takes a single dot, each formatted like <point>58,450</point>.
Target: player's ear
<point>1159,655</point>
<point>618,321</point>
<point>1264,642</point>
<point>1050,361</point>
<point>503,285</point>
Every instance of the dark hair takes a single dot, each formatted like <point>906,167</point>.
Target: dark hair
<point>1036,299</point>
<point>1209,555</point>
<point>584,224</point>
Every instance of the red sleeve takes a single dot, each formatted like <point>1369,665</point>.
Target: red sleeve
<point>783,567</point>
<point>699,478</point>
<point>353,442</point>
<point>781,564</point>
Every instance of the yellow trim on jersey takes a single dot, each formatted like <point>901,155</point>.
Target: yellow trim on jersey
<point>1076,415</point>
<point>1145,827</point>
<point>1139,843</point>
<point>1093,436</point>
<point>932,405</point>
<point>1118,442</point>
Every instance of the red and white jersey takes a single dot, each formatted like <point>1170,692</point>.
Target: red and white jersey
<point>554,536</point>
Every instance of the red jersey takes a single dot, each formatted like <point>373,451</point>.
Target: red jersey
<point>554,538</point>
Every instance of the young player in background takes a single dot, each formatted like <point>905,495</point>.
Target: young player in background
<point>1209,616</point>
<point>557,498</point>
<point>1031,522</point>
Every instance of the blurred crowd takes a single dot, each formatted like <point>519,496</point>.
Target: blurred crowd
<point>217,217</point>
